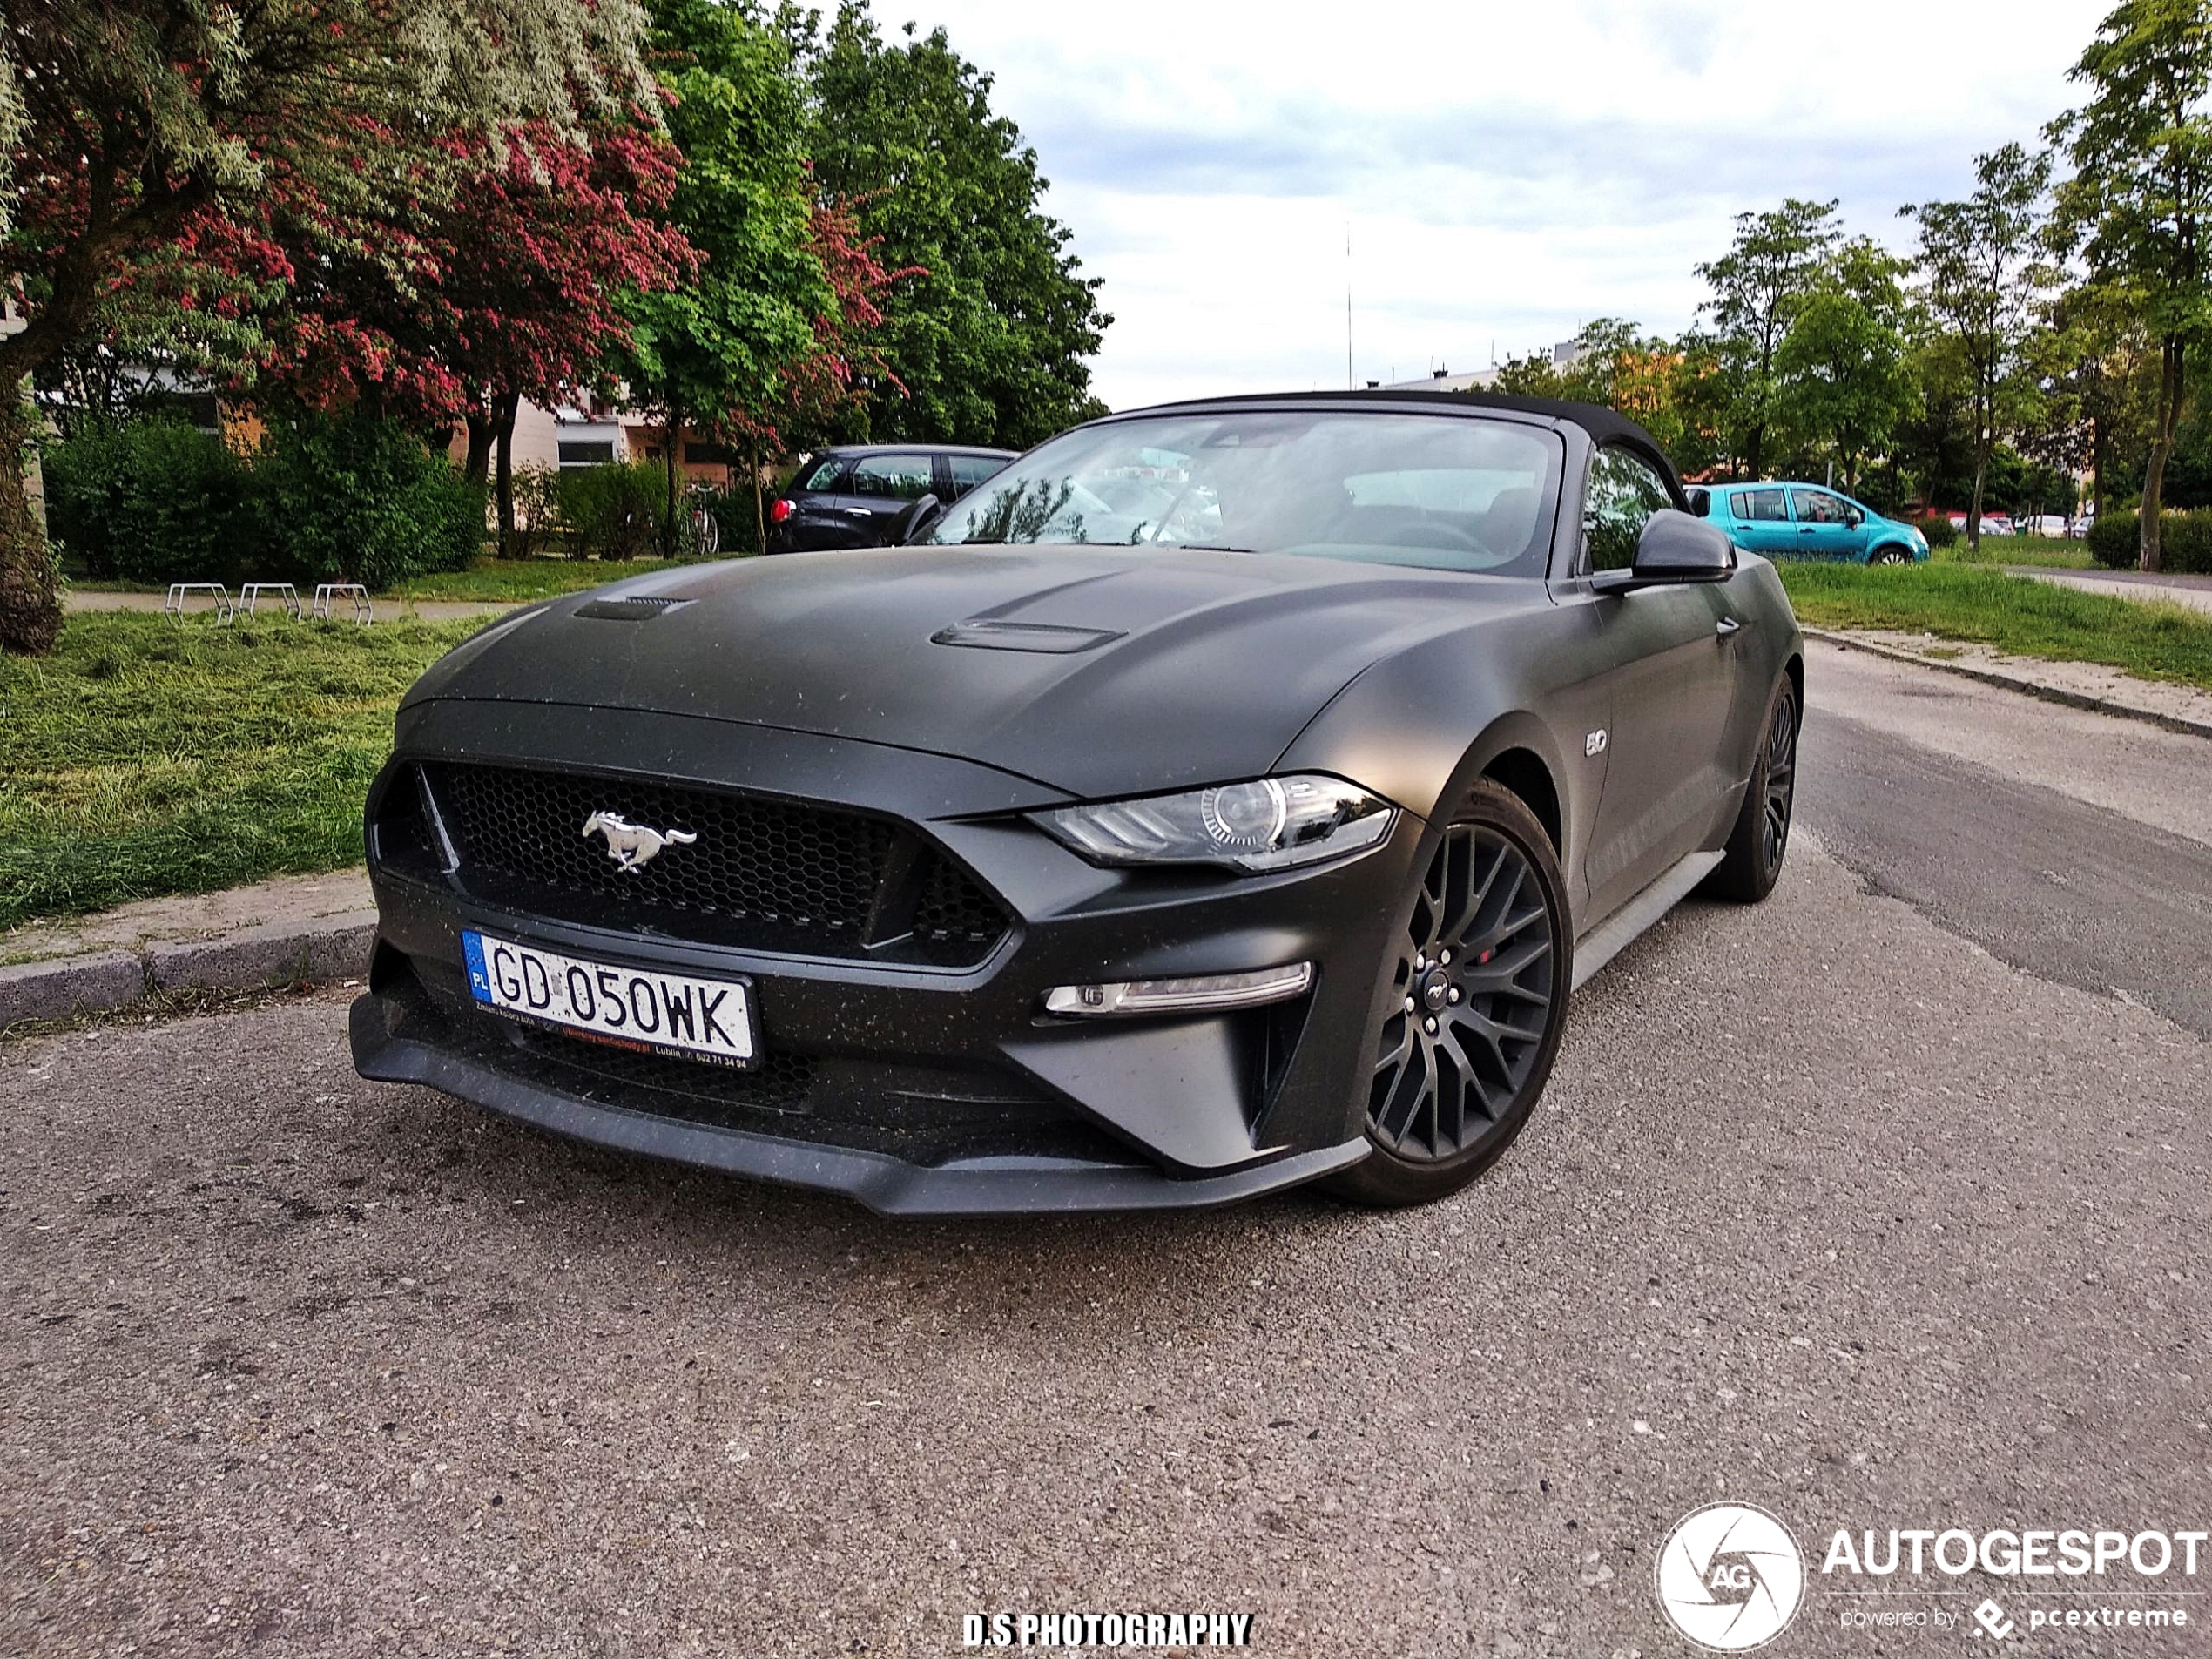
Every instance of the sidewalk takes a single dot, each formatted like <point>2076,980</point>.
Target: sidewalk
<point>294,929</point>
<point>2194,591</point>
<point>2081,686</point>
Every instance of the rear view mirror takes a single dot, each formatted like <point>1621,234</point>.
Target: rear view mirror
<point>1676,548</point>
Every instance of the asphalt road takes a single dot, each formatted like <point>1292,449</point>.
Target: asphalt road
<point>1872,1206</point>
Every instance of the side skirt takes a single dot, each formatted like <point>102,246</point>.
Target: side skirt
<point>1602,943</point>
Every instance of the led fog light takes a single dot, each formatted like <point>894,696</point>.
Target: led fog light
<point>1203,995</point>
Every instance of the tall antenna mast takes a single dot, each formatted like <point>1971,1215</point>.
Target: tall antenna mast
<point>1349,384</point>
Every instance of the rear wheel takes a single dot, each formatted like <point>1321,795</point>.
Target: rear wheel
<point>1752,863</point>
<point>1472,999</point>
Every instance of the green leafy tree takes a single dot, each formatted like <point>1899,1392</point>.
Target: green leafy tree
<point>1985,278</point>
<point>719,346</point>
<point>2098,368</point>
<point>2140,201</point>
<point>1840,369</point>
<point>145,125</point>
<point>987,343</point>
<point>1759,287</point>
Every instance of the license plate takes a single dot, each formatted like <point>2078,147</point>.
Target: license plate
<point>632,1007</point>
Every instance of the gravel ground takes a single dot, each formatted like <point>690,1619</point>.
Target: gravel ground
<point>296,1364</point>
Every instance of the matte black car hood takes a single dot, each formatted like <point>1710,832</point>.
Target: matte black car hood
<point>1096,670</point>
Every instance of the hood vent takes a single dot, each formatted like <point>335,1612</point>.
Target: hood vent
<point>985,635</point>
<point>642,608</point>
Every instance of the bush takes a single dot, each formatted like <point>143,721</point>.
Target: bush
<point>613,511</point>
<point>734,516</point>
<point>358,499</point>
<point>361,498</point>
<point>2185,542</point>
<point>1940,531</point>
<point>537,510</point>
<point>155,501</point>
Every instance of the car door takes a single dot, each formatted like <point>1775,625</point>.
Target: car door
<point>1763,524</point>
<point>1673,673</point>
<point>878,489</point>
<point>1827,528</point>
<point>818,517</point>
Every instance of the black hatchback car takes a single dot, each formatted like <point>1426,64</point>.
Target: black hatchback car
<point>853,496</point>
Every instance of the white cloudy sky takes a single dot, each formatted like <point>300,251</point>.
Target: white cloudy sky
<point>1507,171</point>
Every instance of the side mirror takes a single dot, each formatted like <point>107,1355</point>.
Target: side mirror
<point>917,518</point>
<point>1674,548</point>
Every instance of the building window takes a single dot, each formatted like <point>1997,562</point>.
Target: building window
<point>708,454</point>
<point>588,452</point>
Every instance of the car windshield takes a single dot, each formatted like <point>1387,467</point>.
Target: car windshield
<point>1446,492</point>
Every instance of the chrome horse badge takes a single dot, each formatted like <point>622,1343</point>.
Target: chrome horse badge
<point>630,845</point>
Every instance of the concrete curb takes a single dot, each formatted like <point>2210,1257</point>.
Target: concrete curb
<point>2015,683</point>
<point>328,948</point>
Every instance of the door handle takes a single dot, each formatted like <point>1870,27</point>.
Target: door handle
<point>1807,530</point>
<point>1728,625</point>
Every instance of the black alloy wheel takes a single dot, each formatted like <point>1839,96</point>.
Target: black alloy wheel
<point>1471,1004</point>
<point>1779,786</point>
<point>1752,863</point>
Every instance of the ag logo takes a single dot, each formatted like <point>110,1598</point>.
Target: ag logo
<point>1730,1577</point>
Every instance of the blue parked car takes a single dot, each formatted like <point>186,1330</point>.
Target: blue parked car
<point>1807,521</point>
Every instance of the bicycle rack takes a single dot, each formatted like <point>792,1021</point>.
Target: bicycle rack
<point>283,595</point>
<point>173,606</point>
<point>332,593</point>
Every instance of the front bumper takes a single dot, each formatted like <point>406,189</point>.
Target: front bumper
<point>916,1090</point>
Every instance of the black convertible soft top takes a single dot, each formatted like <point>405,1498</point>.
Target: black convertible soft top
<point>1604,425</point>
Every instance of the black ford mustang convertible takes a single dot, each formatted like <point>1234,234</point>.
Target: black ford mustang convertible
<point>1223,797</point>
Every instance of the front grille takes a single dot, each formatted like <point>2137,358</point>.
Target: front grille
<point>769,875</point>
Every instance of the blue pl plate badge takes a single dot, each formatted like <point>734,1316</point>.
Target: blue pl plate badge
<point>472,946</point>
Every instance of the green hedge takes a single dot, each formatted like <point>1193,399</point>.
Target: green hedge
<point>157,502</point>
<point>2185,542</point>
<point>353,498</point>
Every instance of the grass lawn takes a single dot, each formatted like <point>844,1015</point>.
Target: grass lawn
<point>2014,614</point>
<point>2050,551</point>
<point>144,759</point>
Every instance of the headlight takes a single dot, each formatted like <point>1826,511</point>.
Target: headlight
<point>1270,824</point>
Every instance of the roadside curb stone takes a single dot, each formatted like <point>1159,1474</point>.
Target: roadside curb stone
<point>55,990</point>
<point>280,953</point>
<point>2049,692</point>
<point>273,953</point>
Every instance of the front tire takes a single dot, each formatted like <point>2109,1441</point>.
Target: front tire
<point>1470,1005</point>
<point>1890,555</point>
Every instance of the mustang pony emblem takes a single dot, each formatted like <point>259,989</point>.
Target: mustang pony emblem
<point>630,845</point>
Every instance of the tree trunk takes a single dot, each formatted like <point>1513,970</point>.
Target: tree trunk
<point>668,453</point>
<point>477,467</point>
<point>759,506</point>
<point>2161,445</point>
<point>504,432</point>
<point>2096,467</point>
<point>30,605</point>
<point>1985,442</point>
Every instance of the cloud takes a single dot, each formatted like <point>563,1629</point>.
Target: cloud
<point>1506,172</point>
